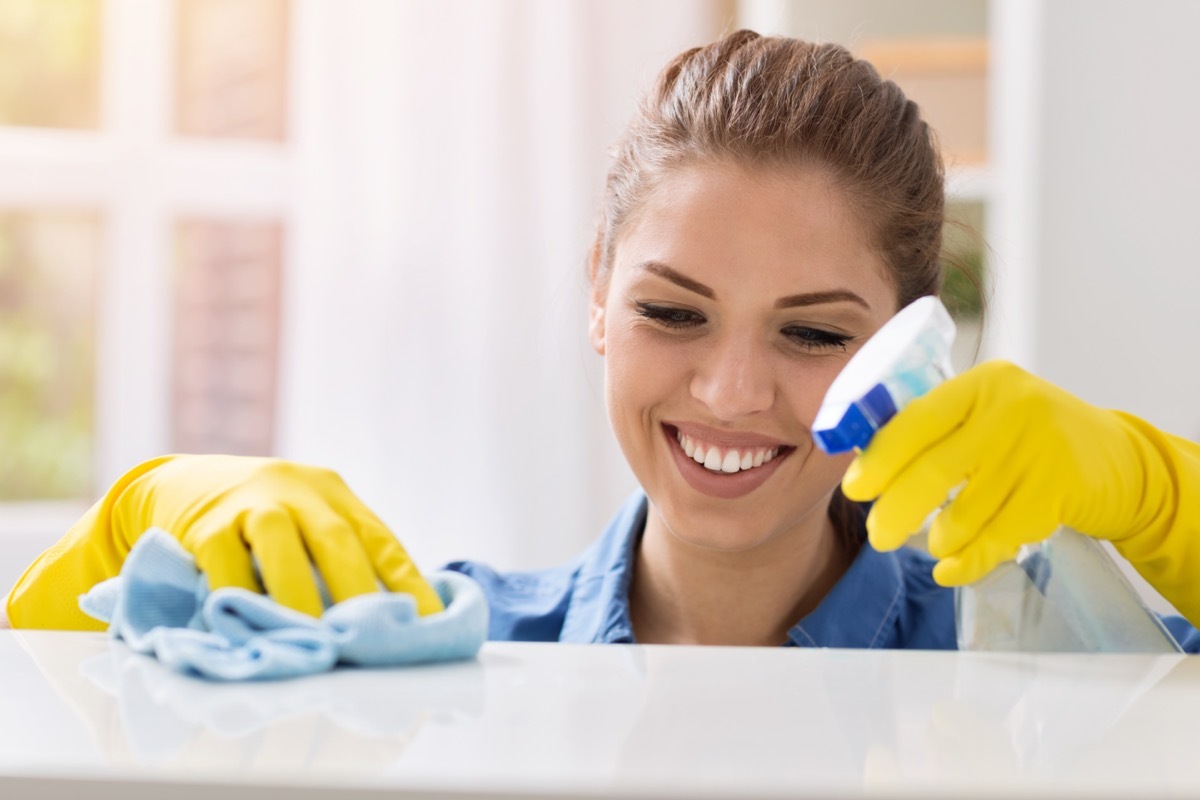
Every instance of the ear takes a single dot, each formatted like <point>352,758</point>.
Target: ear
<point>596,322</point>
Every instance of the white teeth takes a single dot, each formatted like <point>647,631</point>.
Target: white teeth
<point>733,461</point>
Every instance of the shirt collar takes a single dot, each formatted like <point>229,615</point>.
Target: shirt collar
<point>859,612</point>
<point>599,605</point>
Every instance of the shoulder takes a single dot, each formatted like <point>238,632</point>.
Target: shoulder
<point>926,615</point>
<point>585,600</point>
<point>527,606</point>
<point>884,600</point>
<point>890,597</point>
<point>922,613</point>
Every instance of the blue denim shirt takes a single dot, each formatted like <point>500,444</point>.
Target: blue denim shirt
<point>884,600</point>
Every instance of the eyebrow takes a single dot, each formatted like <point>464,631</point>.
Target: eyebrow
<point>791,301</point>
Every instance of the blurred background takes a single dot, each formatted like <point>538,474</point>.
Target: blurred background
<point>352,233</point>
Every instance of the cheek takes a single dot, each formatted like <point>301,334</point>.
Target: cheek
<point>805,389</point>
<point>833,466</point>
<point>805,384</point>
<point>641,368</point>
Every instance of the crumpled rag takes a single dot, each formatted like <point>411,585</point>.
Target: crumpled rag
<point>161,605</point>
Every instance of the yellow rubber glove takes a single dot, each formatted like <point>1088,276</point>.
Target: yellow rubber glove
<point>231,513</point>
<point>1033,457</point>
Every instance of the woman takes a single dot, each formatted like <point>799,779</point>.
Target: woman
<point>772,204</point>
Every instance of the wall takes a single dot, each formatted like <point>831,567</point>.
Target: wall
<point>1118,270</point>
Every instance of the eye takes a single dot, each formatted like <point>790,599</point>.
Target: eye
<point>815,338</point>
<point>670,317</point>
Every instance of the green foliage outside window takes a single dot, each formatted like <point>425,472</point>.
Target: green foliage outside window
<point>47,355</point>
<point>966,279</point>
<point>50,63</point>
<point>962,288</point>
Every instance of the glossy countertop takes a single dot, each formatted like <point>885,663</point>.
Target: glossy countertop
<point>82,716</point>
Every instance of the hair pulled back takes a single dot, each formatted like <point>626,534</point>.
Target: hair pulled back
<point>773,102</point>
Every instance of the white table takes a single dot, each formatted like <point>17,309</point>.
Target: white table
<point>81,716</point>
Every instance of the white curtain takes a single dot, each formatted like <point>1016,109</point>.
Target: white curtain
<point>451,158</point>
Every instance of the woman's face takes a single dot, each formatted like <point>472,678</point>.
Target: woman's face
<point>734,299</point>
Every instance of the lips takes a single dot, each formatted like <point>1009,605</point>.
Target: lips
<point>724,464</point>
<point>724,459</point>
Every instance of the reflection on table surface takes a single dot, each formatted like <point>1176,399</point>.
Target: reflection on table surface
<point>616,720</point>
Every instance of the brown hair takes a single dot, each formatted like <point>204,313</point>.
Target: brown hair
<point>775,102</point>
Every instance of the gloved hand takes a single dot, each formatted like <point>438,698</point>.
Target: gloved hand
<point>231,513</point>
<point>1033,457</point>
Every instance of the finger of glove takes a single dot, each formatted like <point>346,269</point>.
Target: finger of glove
<point>393,565</point>
<point>919,490</point>
<point>1013,526</point>
<point>1006,499</point>
<point>338,555</point>
<point>222,556</point>
<point>919,426</point>
<point>974,562</point>
<point>283,563</point>
<point>988,491</point>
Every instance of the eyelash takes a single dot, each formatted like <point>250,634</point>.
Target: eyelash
<point>679,318</point>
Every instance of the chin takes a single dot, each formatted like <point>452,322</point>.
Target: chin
<point>743,524</point>
<point>731,527</point>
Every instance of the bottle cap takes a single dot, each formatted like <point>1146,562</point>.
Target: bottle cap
<point>905,358</point>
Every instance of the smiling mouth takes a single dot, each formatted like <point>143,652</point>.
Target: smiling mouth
<point>726,460</point>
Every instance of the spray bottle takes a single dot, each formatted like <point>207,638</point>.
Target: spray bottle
<point>1064,594</point>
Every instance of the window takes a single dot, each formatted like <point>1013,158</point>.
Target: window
<point>143,223</point>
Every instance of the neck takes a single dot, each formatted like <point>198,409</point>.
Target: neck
<point>682,593</point>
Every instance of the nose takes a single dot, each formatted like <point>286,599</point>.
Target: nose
<point>734,379</point>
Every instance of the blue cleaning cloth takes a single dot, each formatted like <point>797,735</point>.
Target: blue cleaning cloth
<point>160,605</point>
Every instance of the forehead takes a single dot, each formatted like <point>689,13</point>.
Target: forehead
<point>784,230</point>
